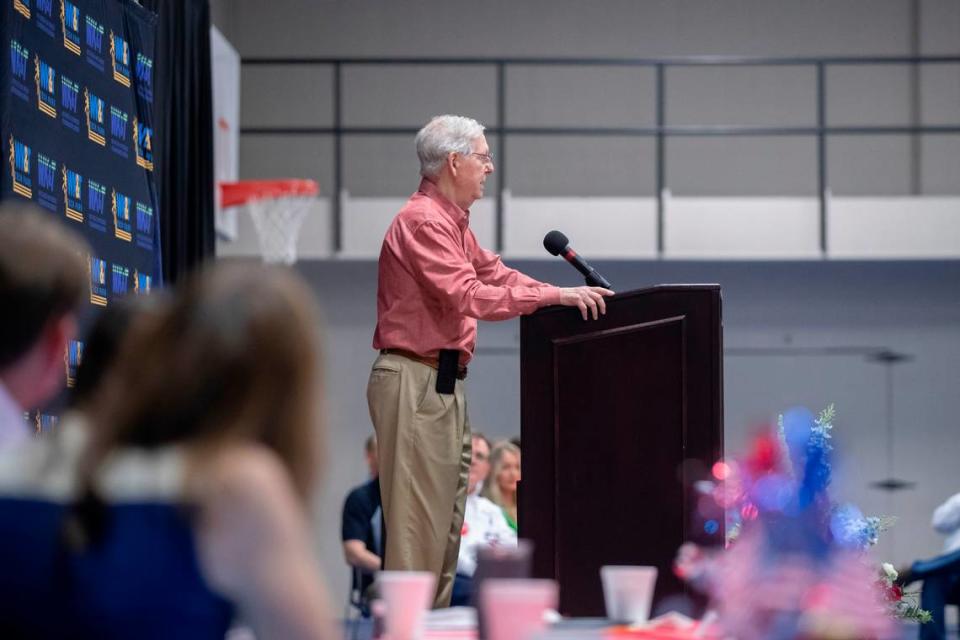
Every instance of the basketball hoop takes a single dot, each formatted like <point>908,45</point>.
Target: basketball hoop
<point>277,207</point>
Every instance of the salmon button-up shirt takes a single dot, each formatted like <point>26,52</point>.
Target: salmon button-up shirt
<point>435,281</point>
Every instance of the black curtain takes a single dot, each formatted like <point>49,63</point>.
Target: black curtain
<point>184,134</point>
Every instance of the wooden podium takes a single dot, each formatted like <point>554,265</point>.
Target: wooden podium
<point>616,415</point>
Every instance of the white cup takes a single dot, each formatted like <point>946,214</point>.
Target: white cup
<point>628,592</point>
<point>513,608</point>
<point>406,595</point>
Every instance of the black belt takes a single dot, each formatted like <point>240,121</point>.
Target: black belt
<point>430,362</point>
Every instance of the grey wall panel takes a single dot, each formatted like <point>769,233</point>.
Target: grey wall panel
<point>940,26</point>
<point>585,96</point>
<point>570,27</point>
<point>868,95</point>
<point>742,166</point>
<point>940,160</point>
<point>286,96</point>
<point>380,165</point>
<point>580,166</point>
<point>940,93</point>
<point>869,165</point>
<point>757,96</point>
<point>409,95</point>
<point>288,157</point>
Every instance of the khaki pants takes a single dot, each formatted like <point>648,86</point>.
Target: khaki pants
<point>423,439</point>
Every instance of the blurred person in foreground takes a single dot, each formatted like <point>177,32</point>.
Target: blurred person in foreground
<point>187,506</point>
<point>504,476</point>
<point>434,282</point>
<point>484,524</point>
<point>43,279</point>
<point>361,530</point>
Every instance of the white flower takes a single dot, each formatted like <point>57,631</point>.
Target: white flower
<point>889,572</point>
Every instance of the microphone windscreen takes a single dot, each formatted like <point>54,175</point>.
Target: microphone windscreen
<point>555,242</point>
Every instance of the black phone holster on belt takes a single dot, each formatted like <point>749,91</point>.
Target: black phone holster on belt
<point>447,365</point>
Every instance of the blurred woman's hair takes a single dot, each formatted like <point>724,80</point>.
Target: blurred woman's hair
<point>103,342</point>
<point>234,357</point>
<point>491,488</point>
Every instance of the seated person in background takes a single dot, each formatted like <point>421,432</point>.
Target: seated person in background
<point>502,487</point>
<point>43,279</point>
<point>186,507</point>
<point>362,530</point>
<point>483,524</point>
<point>946,521</point>
<point>940,575</point>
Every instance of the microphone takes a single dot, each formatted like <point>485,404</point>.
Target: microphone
<point>557,244</point>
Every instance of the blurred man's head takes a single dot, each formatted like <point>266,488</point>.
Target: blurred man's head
<point>43,278</point>
<point>370,453</point>
<point>479,463</point>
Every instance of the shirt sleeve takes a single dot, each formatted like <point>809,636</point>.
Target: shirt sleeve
<point>491,270</point>
<point>356,520</point>
<point>439,259</point>
<point>946,517</point>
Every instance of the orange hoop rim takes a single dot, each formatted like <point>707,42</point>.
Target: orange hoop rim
<point>233,194</point>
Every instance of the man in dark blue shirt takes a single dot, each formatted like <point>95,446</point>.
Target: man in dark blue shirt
<point>362,531</point>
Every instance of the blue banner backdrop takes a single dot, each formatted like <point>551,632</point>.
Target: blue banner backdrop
<point>76,129</point>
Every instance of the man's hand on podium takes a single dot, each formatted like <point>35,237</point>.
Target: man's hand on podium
<point>587,299</point>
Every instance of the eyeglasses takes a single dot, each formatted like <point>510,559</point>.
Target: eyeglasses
<point>486,158</point>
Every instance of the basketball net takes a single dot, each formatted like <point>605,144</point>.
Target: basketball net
<point>278,209</point>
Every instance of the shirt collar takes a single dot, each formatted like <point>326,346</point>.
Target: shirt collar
<point>458,216</point>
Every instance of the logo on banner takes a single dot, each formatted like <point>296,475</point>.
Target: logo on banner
<point>144,225</point>
<point>94,108</point>
<point>47,182</point>
<point>144,74</point>
<point>23,7</point>
<point>45,17</point>
<point>72,357</point>
<point>94,43</point>
<point>118,132</point>
<point>45,78</point>
<point>122,227</point>
<point>143,144</point>
<point>45,422</point>
<point>141,283</point>
<point>70,22</point>
<point>96,201</point>
<point>18,70</point>
<point>72,194</point>
<point>120,55</point>
<point>97,269</point>
<point>69,93</point>
<point>20,168</point>
<point>120,278</point>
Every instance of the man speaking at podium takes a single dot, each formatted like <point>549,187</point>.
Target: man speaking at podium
<point>435,281</point>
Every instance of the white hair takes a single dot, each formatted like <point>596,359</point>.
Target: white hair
<point>444,135</point>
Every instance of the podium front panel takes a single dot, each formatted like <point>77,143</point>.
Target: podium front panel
<point>611,410</point>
